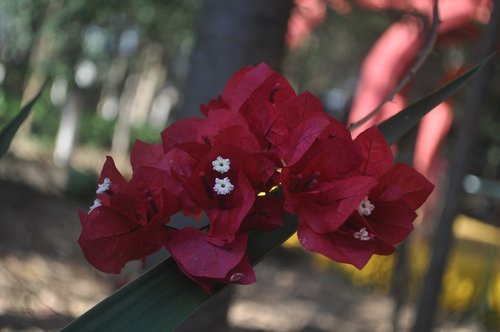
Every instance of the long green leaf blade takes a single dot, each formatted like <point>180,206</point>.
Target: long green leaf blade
<point>163,297</point>
<point>7,134</point>
<point>395,127</point>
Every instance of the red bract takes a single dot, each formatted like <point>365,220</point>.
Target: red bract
<point>383,217</point>
<point>376,152</point>
<point>300,123</point>
<point>110,238</point>
<point>267,213</point>
<point>226,208</point>
<point>259,150</point>
<point>242,274</point>
<point>205,262</point>
<point>126,221</point>
<point>319,179</point>
<point>399,192</point>
<point>342,246</point>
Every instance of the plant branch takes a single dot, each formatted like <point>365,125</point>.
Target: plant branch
<point>424,54</point>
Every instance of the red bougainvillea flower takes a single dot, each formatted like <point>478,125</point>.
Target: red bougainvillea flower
<point>383,217</point>
<point>259,150</point>
<point>224,184</point>
<point>206,262</point>
<point>300,122</point>
<point>126,220</point>
<point>267,213</point>
<point>317,186</point>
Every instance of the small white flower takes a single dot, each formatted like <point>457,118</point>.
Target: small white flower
<point>223,186</point>
<point>221,165</point>
<point>103,186</point>
<point>97,203</point>
<point>236,277</point>
<point>365,208</point>
<point>363,235</point>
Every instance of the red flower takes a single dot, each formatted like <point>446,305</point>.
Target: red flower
<point>267,213</point>
<point>259,150</point>
<point>383,217</point>
<point>226,192</point>
<point>353,245</point>
<point>126,221</point>
<point>206,262</point>
<point>317,186</point>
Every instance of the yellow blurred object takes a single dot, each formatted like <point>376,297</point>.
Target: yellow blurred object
<point>494,294</point>
<point>471,275</point>
<point>472,229</point>
<point>292,242</point>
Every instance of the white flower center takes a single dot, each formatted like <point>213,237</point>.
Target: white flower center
<point>104,186</point>
<point>223,186</point>
<point>97,203</point>
<point>365,208</point>
<point>363,235</point>
<point>221,165</point>
<point>236,277</point>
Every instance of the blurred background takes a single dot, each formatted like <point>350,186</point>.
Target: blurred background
<point>117,71</point>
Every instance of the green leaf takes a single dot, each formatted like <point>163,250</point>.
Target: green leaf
<point>7,134</point>
<point>163,297</point>
<point>398,125</point>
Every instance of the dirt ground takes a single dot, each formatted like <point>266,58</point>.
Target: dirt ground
<point>45,282</point>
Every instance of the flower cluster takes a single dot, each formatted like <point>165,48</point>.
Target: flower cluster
<point>259,151</point>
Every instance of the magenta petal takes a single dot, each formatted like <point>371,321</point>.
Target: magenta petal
<point>297,110</point>
<point>108,240</point>
<point>144,154</point>
<point>243,83</point>
<point>376,152</point>
<point>242,274</point>
<point>326,211</point>
<point>225,222</point>
<point>414,186</point>
<point>200,258</point>
<point>179,132</point>
<point>110,171</point>
<point>301,138</point>
<point>240,137</point>
<point>267,214</point>
<point>392,221</point>
<point>340,248</point>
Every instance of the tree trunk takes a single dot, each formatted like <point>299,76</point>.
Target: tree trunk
<point>230,34</point>
<point>467,132</point>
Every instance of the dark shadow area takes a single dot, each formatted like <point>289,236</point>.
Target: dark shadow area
<point>18,322</point>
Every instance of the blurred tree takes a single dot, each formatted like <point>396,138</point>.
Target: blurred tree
<point>230,35</point>
<point>453,198</point>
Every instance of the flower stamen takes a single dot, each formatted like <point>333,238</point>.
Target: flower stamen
<point>97,203</point>
<point>104,186</point>
<point>223,186</point>
<point>221,165</point>
<point>363,235</point>
<point>365,208</point>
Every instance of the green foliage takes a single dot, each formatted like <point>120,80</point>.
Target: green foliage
<point>8,132</point>
<point>81,184</point>
<point>94,131</point>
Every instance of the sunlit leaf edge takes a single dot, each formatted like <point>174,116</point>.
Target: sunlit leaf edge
<point>8,132</point>
<point>396,126</point>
